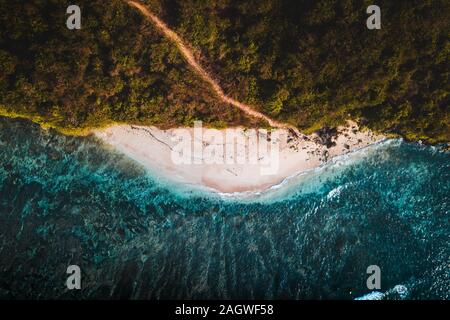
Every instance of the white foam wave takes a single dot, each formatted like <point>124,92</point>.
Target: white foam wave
<point>281,190</point>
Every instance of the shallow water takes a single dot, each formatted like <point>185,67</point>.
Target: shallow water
<point>66,200</point>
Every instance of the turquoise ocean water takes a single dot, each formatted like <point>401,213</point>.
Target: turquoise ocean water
<point>66,200</point>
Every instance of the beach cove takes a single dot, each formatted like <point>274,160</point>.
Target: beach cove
<point>245,168</point>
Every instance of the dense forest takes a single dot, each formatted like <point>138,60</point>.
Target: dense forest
<point>306,62</point>
<point>115,69</point>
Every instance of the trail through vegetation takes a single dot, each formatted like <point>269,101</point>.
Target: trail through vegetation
<point>302,64</point>
<point>189,56</point>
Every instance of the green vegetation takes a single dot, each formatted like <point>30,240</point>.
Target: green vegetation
<point>307,62</point>
<point>116,69</point>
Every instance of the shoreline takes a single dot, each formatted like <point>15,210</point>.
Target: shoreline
<point>287,155</point>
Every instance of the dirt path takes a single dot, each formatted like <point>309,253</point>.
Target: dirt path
<point>188,55</point>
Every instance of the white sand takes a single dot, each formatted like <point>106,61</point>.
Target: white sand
<point>154,148</point>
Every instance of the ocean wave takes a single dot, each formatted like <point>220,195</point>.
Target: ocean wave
<point>289,186</point>
<point>65,199</point>
<point>399,292</point>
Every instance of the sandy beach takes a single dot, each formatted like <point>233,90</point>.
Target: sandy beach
<point>251,160</point>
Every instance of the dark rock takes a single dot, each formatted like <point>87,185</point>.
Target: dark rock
<point>326,136</point>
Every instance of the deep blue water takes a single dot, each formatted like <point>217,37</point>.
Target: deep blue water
<point>66,200</point>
